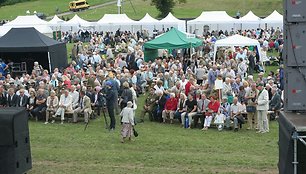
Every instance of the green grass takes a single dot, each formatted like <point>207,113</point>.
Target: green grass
<point>191,9</point>
<point>159,148</point>
<point>47,7</point>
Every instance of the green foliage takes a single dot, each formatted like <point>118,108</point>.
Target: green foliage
<point>165,6</point>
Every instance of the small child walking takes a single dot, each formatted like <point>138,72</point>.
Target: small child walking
<point>127,115</point>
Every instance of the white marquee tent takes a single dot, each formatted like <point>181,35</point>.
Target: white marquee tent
<point>149,23</point>
<point>273,20</point>
<point>27,21</point>
<point>171,21</point>
<point>41,28</point>
<point>216,20</point>
<point>249,21</point>
<point>77,23</point>
<point>55,23</point>
<point>236,40</point>
<point>111,22</point>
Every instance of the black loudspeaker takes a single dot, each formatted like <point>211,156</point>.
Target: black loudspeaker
<point>295,85</point>
<point>290,123</point>
<point>295,47</point>
<point>295,10</point>
<point>15,151</point>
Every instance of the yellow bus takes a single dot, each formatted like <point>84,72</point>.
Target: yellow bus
<point>78,5</point>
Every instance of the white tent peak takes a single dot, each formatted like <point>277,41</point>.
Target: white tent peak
<point>213,17</point>
<point>77,21</point>
<point>26,20</point>
<point>115,19</point>
<point>148,19</point>
<point>274,16</point>
<point>249,17</point>
<point>55,20</point>
<point>170,18</point>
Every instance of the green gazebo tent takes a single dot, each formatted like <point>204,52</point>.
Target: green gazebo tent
<point>173,39</point>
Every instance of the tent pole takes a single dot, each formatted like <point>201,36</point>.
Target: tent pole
<point>49,61</point>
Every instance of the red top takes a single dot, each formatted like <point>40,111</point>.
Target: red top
<point>187,88</point>
<point>171,104</point>
<point>214,106</point>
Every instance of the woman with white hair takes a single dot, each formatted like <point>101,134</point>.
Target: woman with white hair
<point>127,120</point>
<point>52,104</point>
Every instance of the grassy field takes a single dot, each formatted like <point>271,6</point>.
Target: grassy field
<point>47,7</point>
<point>160,148</point>
<point>191,9</point>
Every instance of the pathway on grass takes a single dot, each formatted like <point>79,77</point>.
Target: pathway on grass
<point>91,7</point>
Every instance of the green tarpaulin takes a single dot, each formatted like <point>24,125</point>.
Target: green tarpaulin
<point>173,39</point>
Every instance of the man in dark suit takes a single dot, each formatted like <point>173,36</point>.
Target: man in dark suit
<point>11,98</point>
<point>22,100</point>
<point>130,59</point>
<point>97,100</point>
<point>160,102</point>
<point>275,102</point>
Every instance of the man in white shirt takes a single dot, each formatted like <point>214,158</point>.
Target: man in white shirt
<point>262,109</point>
<point>235,115</point>
<point>75,96</point>
<point>97,58</point>
<point>65,104</point>
<point>240,55</point>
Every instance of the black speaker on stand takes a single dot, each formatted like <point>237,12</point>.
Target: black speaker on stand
<point>15,151</point>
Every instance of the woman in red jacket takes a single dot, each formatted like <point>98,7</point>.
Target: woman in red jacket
<point>213,107</point>
<point>170,108</point>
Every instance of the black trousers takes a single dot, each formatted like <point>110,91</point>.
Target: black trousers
<point>39,111</point>
<point>111,113</point>
<point>196,120</point>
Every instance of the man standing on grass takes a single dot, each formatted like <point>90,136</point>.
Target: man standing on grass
<point>110,104</point>
<point>262,108</point>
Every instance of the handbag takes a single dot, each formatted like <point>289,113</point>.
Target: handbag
<point>135,132</point>
<point>251,109</point>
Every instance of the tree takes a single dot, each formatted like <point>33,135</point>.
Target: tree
<point>165,6</point>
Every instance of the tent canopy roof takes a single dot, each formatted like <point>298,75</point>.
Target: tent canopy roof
<point>31,20</point>
<point>237,40</point>
<point>41,28</point>
<point>173,39</point>
<point>213,17</point>
<point>77,21</point>
<point>115,19</point>
<point>170,19</point>
<point>25,38</point>
<point>250,17</point>
<point>273,17</point>
<point>55,20</point>
<point>148,19</point>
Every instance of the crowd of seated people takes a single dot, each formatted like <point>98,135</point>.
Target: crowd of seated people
<point>179,87</point>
